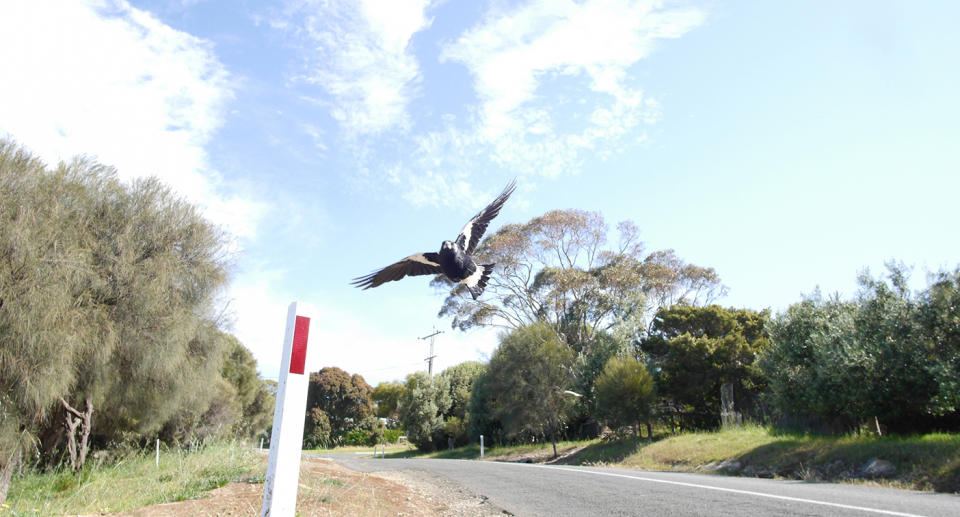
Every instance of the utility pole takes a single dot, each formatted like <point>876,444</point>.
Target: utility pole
<point>429,360</point>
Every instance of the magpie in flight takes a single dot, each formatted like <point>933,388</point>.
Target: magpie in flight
<point>454,258</point>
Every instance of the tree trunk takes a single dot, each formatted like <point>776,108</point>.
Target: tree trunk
<point>649,431</point>
<point>73,420</point>
<point>6,473</point>
<point>876,422</point>
<point>553,438</point>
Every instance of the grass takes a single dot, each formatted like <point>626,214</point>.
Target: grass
<point>926,462</point>
<point>131,482</point>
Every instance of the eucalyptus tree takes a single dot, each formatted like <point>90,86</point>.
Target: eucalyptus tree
<point>560,269</point>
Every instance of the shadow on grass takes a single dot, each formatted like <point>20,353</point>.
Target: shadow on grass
<point>613,451</point>
<point>469,452</point>
<point>926,462</point>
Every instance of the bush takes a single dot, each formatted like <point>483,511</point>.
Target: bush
<point>358,437</point>
<point>392,435</point>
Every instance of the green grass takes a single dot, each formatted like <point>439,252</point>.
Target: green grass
<point>132,481</point>
<point>926,462</point>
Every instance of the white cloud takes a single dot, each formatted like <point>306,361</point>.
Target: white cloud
<point>102,78</point>
<point>360,53</point>
<point>521,59</point>
<point>554,85</point>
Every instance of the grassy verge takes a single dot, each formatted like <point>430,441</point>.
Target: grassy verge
<point>132,481</point>
<point>922,461</point>
<point>925,462</point>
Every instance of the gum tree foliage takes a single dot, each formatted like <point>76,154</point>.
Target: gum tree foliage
<point>523,388</point>
<point>557,268</point>
<point>107,324</point>
<point>694,350</point>
<point>424,402</point>
<point>887,356</point>
<point>345,401</point>
<point>625,393</point>
<point>599,297</point>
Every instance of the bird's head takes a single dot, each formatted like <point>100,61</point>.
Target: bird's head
<point>447,245</point>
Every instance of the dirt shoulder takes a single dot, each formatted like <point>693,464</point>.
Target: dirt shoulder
<point>329,489</point>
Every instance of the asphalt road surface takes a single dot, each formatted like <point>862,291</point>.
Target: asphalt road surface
<point>554,491</point>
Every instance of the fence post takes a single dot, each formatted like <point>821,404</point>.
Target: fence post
<point>481,446</point>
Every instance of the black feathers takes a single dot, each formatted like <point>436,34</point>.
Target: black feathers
<point>453,259</point>
<point>419,264</point>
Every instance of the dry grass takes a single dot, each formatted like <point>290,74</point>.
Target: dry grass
<point>132,481</point>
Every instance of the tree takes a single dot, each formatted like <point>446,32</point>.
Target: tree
<point>255,400</point>
<point>460,380</point>
<point>556,269</point>
<point>902,379</point>
<point>625,393</point>
<point>814,367</point>
<point>695,350</point>
<point>885,357</point>
<point>422,406</point>
<point>939,316</point>
<point>526,381</point>
<point>386,398</point>
<point>108,325</point>
<point>344,399</point>
<point>111,286</point>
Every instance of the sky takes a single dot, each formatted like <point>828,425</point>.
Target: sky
<point>787,145</point>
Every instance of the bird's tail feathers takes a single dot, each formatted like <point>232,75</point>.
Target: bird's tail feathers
<point>477,290</point>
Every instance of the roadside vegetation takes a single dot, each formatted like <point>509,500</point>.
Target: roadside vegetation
<point>132,480</point>
<point>922,462</point>
<point>110,334</point>
<point>111,337</point>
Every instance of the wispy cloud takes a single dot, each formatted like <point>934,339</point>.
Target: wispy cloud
<point>359,53</point>
<point>105,79</point>
<point>554,83</point>
<point>553,78</point>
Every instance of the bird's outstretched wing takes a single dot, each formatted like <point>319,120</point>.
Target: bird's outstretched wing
<point>471,233</point>
<point>419,264</point>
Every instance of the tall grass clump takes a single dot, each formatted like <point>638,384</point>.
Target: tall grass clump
<point>133,480</point>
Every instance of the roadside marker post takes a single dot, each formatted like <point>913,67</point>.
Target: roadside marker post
<point>283,468</point>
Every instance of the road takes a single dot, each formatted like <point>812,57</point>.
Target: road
<point>554,491</point>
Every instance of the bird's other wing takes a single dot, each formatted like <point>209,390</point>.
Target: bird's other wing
<point>419,264</point>
<point>471,233</point>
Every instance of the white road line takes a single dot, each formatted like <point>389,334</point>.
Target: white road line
<point>720,489</point>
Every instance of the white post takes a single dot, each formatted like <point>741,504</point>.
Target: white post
<point>158,452</point>
<point>481,446</point>
<point>261,443</point>
<point>283,467</point>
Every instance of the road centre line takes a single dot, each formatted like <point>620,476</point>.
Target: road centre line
<point>721,489</point>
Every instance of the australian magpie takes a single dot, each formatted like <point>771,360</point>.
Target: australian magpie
<point>453,259</point>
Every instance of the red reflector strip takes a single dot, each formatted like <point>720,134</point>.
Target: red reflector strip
<point>301,328</point>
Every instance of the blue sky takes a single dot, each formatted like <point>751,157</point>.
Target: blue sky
<point>788,145</point>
